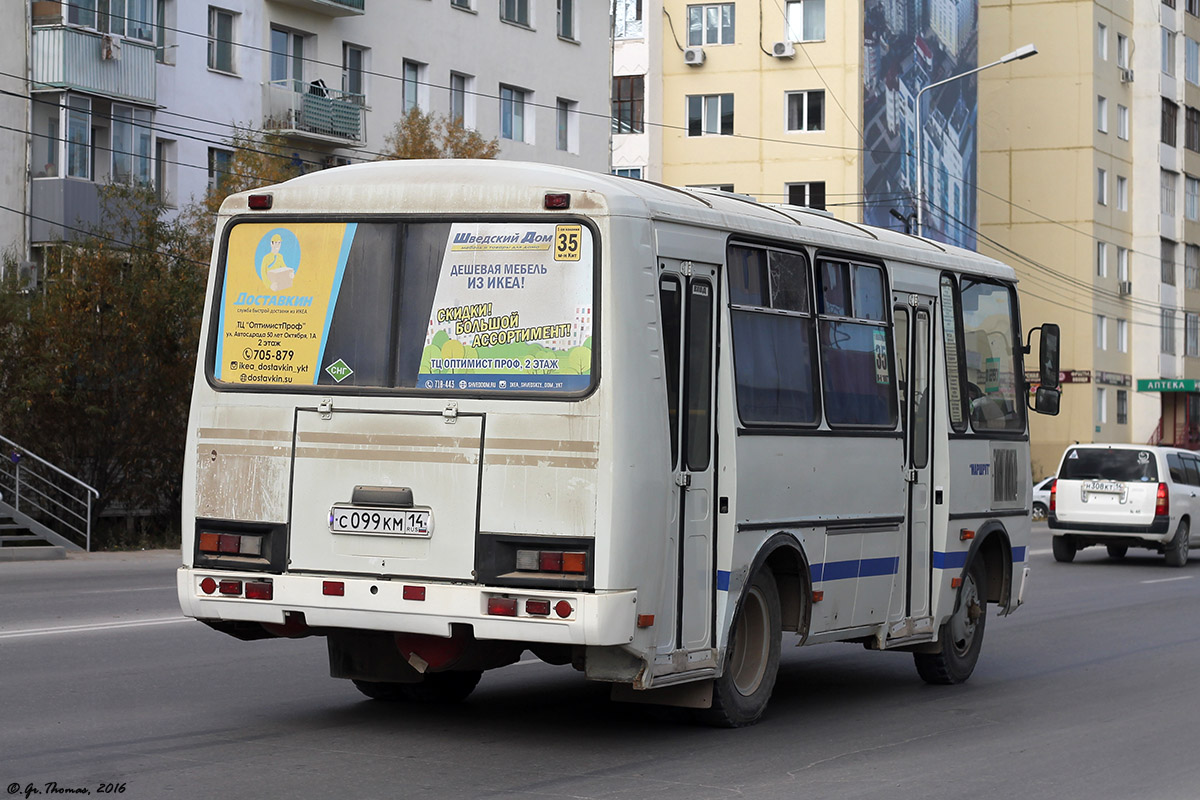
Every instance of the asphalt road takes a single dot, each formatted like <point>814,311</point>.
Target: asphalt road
<point>1089,691</point>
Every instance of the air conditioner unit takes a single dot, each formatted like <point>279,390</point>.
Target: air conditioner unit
<point>110,48</point>
<point>1125,288</point>
<point>1126,75</point>
<point>783,50</point>
<point>693,56</point>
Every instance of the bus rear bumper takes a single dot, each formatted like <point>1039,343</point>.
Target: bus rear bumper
<point>577,618</point>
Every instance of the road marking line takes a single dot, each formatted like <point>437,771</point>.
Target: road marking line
<point>1044,552</point>
<point>97,626</point>
<point>1168,580</point>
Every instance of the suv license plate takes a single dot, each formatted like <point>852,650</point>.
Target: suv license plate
<point>381,521</point>
<point>1111,487</point>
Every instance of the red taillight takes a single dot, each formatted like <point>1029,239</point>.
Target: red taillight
<point>537,608</point>
<point>414,593</point>
<point>260,202</point>
<point>1053,495</point>
<point>1162,501</point>
<point>230,587</point>
<point>259,590</point>
<point>333,588</point>
<point>556,200</point>
<point>502,606</point>
<point>229,543</point>
<point>550,561</point>
<point>563,609</point>
<point>208,585</point>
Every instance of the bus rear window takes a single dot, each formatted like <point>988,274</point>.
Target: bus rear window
<point>466,306</point>
<point>1086,463</point>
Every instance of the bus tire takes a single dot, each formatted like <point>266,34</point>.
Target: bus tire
<point>1177,550</point>
<point>741,694</point>
<point>961,636</point>
<point>1064,549</point>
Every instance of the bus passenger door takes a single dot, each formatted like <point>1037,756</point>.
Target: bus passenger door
<point>913,351</point>
<point>688,296</point>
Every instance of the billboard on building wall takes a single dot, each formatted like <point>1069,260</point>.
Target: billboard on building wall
<point>907,45</point>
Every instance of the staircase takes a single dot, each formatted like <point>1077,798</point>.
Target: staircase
<point>44,512</point>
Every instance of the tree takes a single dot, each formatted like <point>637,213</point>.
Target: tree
<point>429,135</point>
<point>98,366</point>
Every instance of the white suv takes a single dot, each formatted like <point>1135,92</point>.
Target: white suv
<point>1122,496</point>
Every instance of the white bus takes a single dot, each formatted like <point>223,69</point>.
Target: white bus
<point>449,412</point>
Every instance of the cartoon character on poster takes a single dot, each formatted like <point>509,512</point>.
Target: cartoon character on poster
<point>278,257</point>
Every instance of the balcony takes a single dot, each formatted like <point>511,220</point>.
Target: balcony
<point>312,112</point>
<point>73,201</point>
<point>330,8</point>
<point>88,61</point>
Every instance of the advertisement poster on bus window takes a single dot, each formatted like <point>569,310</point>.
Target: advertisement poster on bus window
<point>512,310</point>
<point>281,282</point>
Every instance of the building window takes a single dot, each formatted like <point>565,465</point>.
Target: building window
<point>1102,114</point>
<point>810,195</point>
<point>1191,129</point>
<point>1102,186</point>
<point>1170,121</point>
<point>1122,122</point>
<point>354,64</point>
<point>287,59</point>
<point>1122,406</point>
<point>462,100</point>
<point>1102,41</point>
<point>627,19</point>
<point>1193,7</point>
<point>464,4</point>
<point>1101,259</point>
<point>413,84</point>
<point>218,167</point>
<point>512,113</point>
<point>1166,194</point>
<point>1191,60</point>
<point>165,171</point>
<point>718,187</point>
<point>1101,332</point>
<point>1191,266</point>
<point>806,111</point>
<point>1123,335</point>
<point>710,24</point>
<point>566,126</point>
<point>806,20</point>
<point>627,103</point>
<point>79,137</point>
<point>1122,51</point>
<point>1191,343</point>
<point>1122,193</point>
<point>710,114</point>
<point>1167,261</point>
<point>129,18</point>
<point>131,144</point>
<point>1167,332</point>
<point>1169,3</point>
<point>1191,198</point>
<point>220,40</point>
<point>515,11</point>
<point>1101,405</point>
<point>164,39</point>
<point>1122,264</point>
<point>628,172</point>
<point>566,19</point>
<point>1168,52</point>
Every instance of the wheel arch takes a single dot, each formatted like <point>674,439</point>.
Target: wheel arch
<point>784,556</point>
<point>994,547</point>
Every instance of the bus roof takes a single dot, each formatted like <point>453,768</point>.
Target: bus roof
<point>518,187</point>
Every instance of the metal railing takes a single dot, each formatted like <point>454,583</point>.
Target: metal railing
<point>46,494</point>
<point>313,108</point>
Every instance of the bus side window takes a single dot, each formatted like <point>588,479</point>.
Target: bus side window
<point>698,428</point>
<point>900,315</point>
<point>672,309</point>
<point>855,347</point>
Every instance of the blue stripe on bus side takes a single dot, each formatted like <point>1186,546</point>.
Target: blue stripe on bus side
<point>855,568</point>
<point>949,560</point>
<point>1018,555</point>
<point>722,580</point>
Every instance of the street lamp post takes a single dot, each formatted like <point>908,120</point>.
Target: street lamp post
<point>1016,55</point>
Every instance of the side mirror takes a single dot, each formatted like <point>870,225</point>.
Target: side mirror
<point>1048,358</point>
<point>1047,401</point>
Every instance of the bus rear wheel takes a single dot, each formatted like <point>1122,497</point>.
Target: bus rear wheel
<point>741,694</point>
<point>961,636</point>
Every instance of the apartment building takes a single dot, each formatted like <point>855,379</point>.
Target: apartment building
<point>152,90</point>
<point>1093,155</point>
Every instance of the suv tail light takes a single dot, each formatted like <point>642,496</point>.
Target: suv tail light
<point>1162,501</point>
<point>1053,495</point>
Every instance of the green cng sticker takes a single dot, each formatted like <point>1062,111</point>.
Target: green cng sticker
<point>339,371</point>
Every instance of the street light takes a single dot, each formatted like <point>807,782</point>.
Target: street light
<point>1016,55</point>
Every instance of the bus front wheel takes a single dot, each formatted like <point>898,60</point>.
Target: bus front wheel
<point>740,695</point>
<point>961,637</point>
